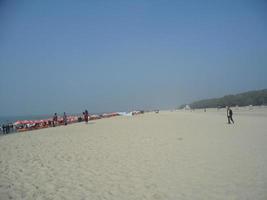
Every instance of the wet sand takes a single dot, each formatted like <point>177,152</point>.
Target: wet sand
<point>170,155</point>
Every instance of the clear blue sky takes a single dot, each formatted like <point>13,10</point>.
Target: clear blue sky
<point>69,56</point>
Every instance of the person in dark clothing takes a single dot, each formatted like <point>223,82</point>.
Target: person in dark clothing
<point>230,115</point>
<point>65,119</point>
<point>7,128</point>
<point>4,128</point>
<point>55,120</point>
<point>86,116</point>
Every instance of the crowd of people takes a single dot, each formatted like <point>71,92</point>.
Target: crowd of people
<point>55,121</point>
<point>7,128</point>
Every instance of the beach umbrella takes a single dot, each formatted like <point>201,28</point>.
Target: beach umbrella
<point>38,121</point>
<point>18,122</point>
<point>22,122</point>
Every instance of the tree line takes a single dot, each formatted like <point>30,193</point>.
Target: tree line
<point>255,98</point>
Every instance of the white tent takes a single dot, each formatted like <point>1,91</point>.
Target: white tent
<point>187,107</point>
<point>125,114</point>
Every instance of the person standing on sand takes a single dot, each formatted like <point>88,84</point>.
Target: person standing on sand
<point>86,116</point>
<point>65,119</point>
<point>230,115</point>
<point>4,128</point>
<point>55,120</point>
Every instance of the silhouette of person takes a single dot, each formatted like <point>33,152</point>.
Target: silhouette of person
<point>55,120</point>
<point>86,116</point>
<point>4,128</point>
<point>230,115</point>
<point>7,128</point>
<point>65,119</point>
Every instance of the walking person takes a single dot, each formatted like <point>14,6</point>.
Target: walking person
<point>55,120</point>
<point>86,116</point>
<point>7,128</point>
<point>4,128</point>
<point>65,119</point>
<point>230,115</point>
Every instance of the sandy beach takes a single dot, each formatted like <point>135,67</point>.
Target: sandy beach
<point>170,155</point>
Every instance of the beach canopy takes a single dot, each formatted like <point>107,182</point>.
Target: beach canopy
<point>125,113</point>
<point>39,121</point>
<point>187,107</point>
<point>22,122</point>
<point>110,114</point>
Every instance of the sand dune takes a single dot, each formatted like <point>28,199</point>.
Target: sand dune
<point>170,155</point>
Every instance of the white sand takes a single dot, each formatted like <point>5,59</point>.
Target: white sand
<point>170,155</point>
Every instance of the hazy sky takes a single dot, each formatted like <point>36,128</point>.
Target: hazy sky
<point>69,56</point>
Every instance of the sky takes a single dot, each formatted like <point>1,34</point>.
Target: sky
<point>104,56</point>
